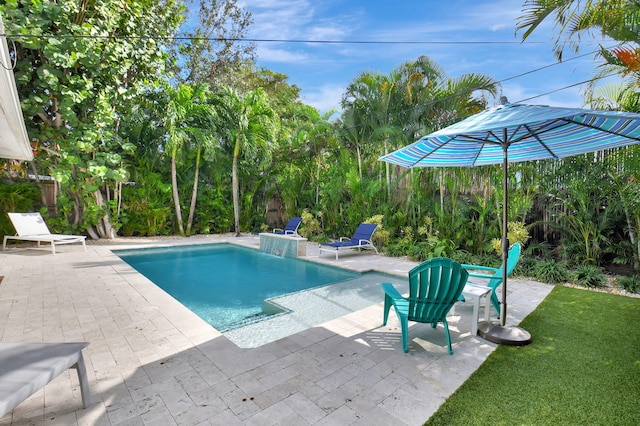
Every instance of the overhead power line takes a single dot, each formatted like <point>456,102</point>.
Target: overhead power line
<point>270,40</point>
<point>371,42</point>
<point>568,87</point>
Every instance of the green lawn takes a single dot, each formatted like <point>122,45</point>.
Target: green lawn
<point>583,368</point>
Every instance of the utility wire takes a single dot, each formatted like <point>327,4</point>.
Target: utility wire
<point>547,66</point>
<point>568,87</point>
<point>266,40</point>
<point>222,39</point>
<point>387,42</point>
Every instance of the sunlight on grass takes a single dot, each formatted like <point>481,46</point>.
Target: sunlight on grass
<point>583,367</point>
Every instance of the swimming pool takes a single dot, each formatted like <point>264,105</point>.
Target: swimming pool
<point>226,285</point>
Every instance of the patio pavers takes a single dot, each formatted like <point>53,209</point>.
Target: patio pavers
<point>152,361</point>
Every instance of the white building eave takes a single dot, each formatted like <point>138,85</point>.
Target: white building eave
<point>14,141</point>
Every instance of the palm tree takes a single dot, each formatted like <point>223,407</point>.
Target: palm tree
<point>246,127</point>
<point>188,118</point>
<point>374,98</point>
<point>312,140</point>
<point>614,96</point>
<point>616,19</point>
<point>414,99</point>
<point>353,132</point>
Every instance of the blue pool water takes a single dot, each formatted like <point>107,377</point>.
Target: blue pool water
<point>225,284</point>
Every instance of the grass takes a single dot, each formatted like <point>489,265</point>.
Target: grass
<point>583,368</point>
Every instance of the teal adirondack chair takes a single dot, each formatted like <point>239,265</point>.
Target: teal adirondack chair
<point>434,287</point>
<point>495,279</point>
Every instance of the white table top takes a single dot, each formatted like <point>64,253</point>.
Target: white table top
<point>475,289</point>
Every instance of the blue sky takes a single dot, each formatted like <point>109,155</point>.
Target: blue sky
<point>323,71</point>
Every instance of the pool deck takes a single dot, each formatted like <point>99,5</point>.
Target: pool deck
<point>151,361</point>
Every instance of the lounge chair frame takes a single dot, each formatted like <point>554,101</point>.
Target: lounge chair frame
<point>32,227</point>
<point>290,229</point>
<point>361,240</point>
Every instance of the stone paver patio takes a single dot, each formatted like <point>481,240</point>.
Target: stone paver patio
<point>152,361</point>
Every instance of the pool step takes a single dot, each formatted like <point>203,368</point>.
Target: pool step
<point>248,320</point>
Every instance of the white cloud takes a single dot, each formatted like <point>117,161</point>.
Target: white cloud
<point>325,97</point>
<point>320,68</point>
<point>498,27</point>
<point>297,19</point>
<point>281,55</point>
<point>277,19</point>
<point>565,98</point>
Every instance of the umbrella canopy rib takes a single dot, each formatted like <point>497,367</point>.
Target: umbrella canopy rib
<point>423,157</point>
<point>618,125</point>
<point>541,142</point>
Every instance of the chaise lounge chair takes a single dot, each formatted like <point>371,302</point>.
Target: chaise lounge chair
<point>361,240</point>
<point>434,287</point>
<point>31,227</point>
<point>291,228</point>
<point>27,367</point>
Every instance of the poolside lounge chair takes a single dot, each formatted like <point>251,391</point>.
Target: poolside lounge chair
<point>27,367</point>
<point>434,287</point>
<point>31,227</point>
<point>495,279</point>
<point>361,240</point>
<point>290,228</point>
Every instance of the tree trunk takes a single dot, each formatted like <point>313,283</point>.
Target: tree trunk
<point>359,160</point>
<point>194,194</point>
<point>176,197</point>
<point>104,227</point>
<point>633,238</point>
<point>235,186</point>
<point>236,203</point>
<point>387,169</point>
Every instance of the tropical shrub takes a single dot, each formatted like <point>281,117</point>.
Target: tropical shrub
<point>419,252</point>
<point>525,266</point>
<point>381,235</point>
<point>17,197</point>
<point>394,249</point>
<point>550,271</point>
<point>143,219</point>
<point>146,210</point>
<point>488,259</point>
<point>310,226</point>
<point>630,283</point>
<point>400,246</point>
<point>462,256</point>
<point>516,233</point>
<point>588,276</point>
<point>541,249</point>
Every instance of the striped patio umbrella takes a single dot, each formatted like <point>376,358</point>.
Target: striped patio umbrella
<point>513,133</point>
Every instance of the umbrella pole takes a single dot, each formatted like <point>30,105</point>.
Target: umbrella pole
<point>499,332</point>
<point>505,234</point>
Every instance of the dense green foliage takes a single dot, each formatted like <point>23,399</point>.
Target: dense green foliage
<point>79,65</point>
<point>135,151</point>
<point>20,197</point>
<point>581,368</point>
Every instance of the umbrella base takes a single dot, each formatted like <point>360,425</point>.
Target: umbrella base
<point>503,334</point>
